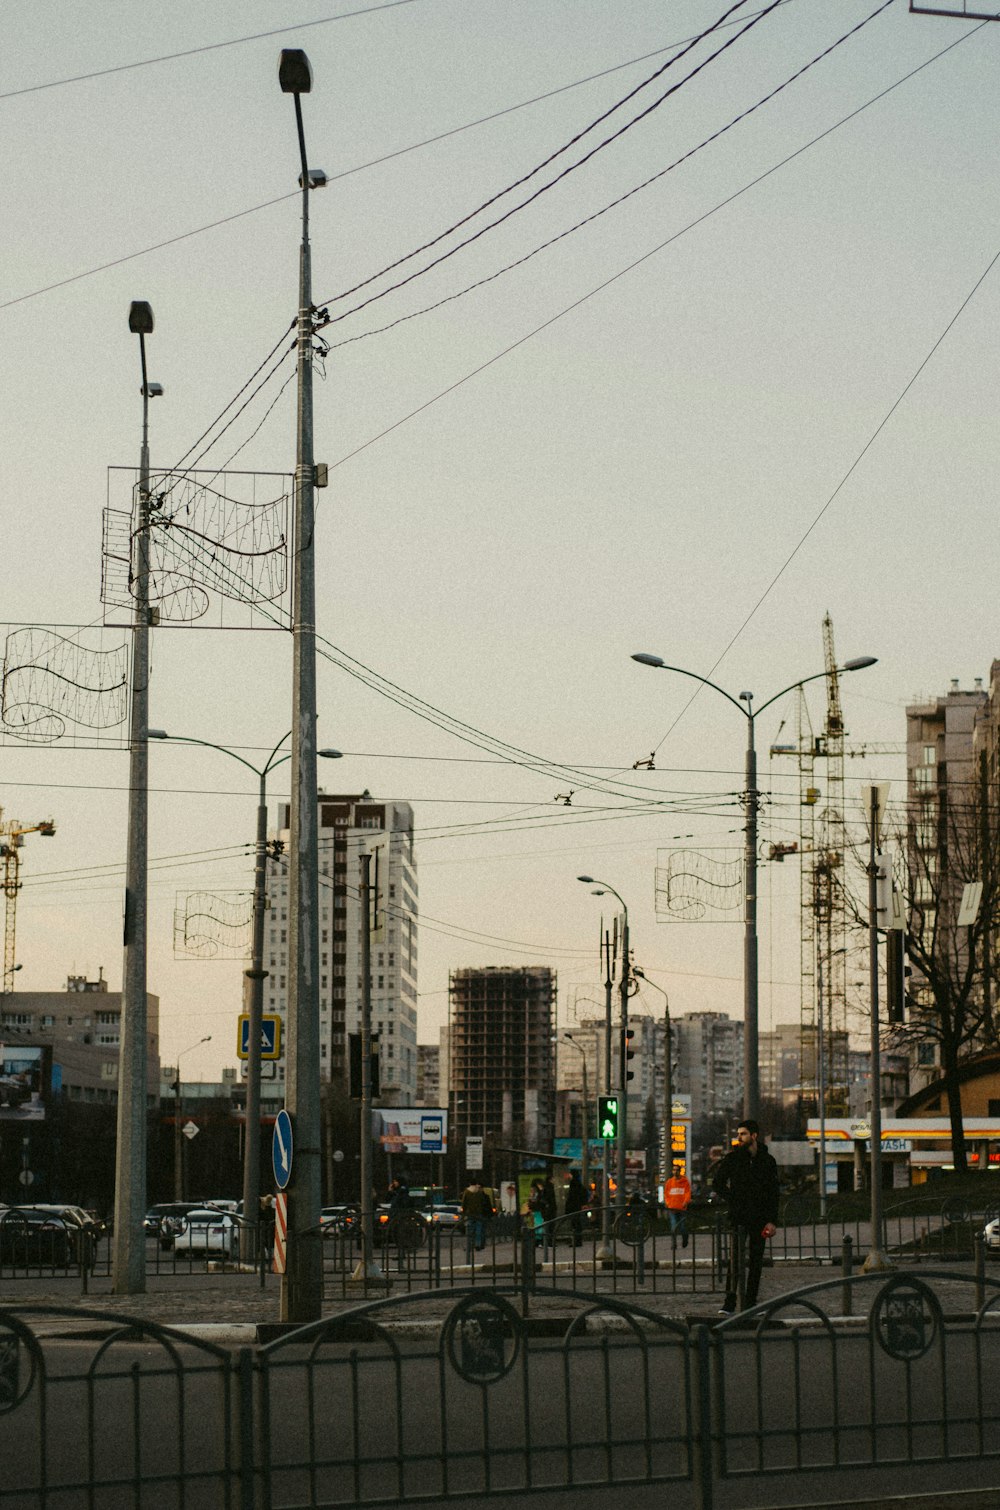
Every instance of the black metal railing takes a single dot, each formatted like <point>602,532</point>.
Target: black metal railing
<point>859,1386</point>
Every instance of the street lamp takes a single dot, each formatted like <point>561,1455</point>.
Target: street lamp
<point>667,1162</point>
<point>751,1066</point>
<point>302,1281</point>
<point>128,1261</point>
<point>256,974</point>
<point>600,888</point>
<point>178,1111</point>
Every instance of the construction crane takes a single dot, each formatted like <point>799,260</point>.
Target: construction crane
<point>12,833</point>
<point>822,895</point>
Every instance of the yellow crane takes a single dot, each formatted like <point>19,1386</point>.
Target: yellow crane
<point>12,832</point>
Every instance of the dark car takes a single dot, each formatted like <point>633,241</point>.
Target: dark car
<point>46,1236</point>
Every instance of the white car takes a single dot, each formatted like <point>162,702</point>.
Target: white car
<point>208,1232</point>
<point>991,1236</point>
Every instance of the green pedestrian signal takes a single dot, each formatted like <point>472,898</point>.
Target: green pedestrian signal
<point>607,1116</point>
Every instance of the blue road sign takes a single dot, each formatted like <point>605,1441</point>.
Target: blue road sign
<point>431,1134</point>
<point>281,1148</point>
<point>270,1036</point>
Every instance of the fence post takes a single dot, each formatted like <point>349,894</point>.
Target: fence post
<point>979,1242</point>
<point>527,1268</point>
<point>701,1424</point>
<point>846,1263</point>
<point>248,1435</point>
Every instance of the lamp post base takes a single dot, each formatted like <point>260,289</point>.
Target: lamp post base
<point>877,1262</point>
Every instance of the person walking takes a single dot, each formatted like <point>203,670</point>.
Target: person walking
<point>477,1208</point>
<point>677,1199</point>
<point>747,1180</point>
<point>576,1199</point>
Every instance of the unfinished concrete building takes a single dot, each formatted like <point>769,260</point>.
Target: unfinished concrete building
<point>501,1028</point>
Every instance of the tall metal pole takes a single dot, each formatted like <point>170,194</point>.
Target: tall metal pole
<point>821,1080</point>
<point>301,1287</point>
<point>751,1068</point>
<point>367,1266</point>
<point>128,1252</point>
<point>876,1260</point>
<point>751,1047</point>
<point>606,1250</point>
<point>585,1159</point>
<point>255,977</point>
<point>623,1109</point>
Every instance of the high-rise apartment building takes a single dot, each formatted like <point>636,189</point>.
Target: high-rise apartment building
<point>941,830</point>
<point>350,826</point>
<point>501,1054</point>
<point>708,1055</point>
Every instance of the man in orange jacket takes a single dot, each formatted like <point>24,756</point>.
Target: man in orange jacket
<point>677,1198</point>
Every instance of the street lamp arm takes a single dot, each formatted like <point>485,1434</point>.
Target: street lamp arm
<point>591,881</point>
<point>206,744</point>
<point>659,665</point>
<point>858,665</point>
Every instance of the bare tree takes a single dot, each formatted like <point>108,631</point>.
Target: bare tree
<point>948,842</point>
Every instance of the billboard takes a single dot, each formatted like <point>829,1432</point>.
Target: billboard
<point>411,1129</point>
<point>25,1082</point>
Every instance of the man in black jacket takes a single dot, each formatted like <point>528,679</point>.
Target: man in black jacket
<point>747,1180</point>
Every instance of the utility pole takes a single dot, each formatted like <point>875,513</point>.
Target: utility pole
<point>876,1260</point>
<point>302,1282</point>
<point>128,1251</point>
<point>623,1110</point>
<point>250,1230</point>
<point>606,1250</point>
<point>367,1267</point>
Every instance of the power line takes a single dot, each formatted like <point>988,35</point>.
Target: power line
<point>605,209</point>
<point>191,52</point>
<point>345,172</point>
<point>544,189</point>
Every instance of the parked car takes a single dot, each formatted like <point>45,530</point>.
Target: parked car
<point>166,1220</point>
<point>339,1219</point>
<point>205,1231</point>
<point>52,1236</point>
<point>991,1237</point>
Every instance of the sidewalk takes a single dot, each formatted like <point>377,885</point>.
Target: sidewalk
<point>233,1308</point>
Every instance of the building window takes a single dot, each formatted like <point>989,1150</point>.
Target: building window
<point>930,754</point>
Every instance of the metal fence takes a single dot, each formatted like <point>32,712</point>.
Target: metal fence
<point>846,1389</point>
<point>411,1253</point>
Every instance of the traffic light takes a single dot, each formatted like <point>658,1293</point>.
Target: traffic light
<point>607,1116</point>
<point>627,1053</point>
<point>896,970</point>
<point>355,1067</point>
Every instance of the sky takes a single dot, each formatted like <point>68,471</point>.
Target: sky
<point>758,390</point>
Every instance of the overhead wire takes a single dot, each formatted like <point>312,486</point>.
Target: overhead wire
<point>374,162</point>
<point>615,203</point>
<point>748,26</point>
<point>190,52</point>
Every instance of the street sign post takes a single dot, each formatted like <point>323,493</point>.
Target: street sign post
<point>281,1149</point>
<point>473,1153</point>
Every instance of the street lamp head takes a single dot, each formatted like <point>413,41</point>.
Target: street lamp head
<point>587,880</point>
<point>140,318</point>
<point>330,754</point>
<point>294,71</point>
<point>746,697</point>
<point>152,390</point>
<point>860,662</point>
<point>317,179</point>
<point>648,660</point>
<point>157,734</point>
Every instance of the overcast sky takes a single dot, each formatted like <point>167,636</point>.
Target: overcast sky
<point>758,390</point>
